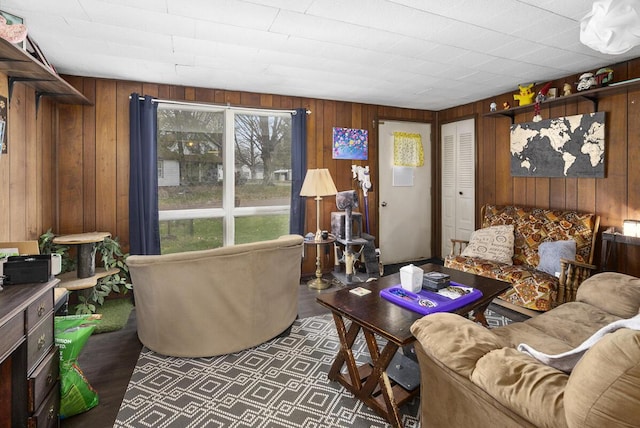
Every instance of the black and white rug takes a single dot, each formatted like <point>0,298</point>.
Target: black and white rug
<point>281,383</point>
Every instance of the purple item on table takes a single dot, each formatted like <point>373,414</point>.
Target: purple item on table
<point>427,302</point>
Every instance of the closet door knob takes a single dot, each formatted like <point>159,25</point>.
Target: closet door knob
<point>384,204</point>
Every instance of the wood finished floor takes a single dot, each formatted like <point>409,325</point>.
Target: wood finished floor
<point>108,360</point>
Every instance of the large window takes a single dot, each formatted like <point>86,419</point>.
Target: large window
<point>224,176</point>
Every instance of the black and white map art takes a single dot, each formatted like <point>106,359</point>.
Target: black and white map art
<point>571,146</point>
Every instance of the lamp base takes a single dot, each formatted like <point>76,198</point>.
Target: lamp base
<point>319,284</point>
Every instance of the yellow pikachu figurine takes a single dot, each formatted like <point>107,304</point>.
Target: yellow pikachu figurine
<point>526,95</point>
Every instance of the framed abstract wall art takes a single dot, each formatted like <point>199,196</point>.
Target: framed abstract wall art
<point>350,144</point>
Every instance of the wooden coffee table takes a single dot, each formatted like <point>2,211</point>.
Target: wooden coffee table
<point>375,315</point>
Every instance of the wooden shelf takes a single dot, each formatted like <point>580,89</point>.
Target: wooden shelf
<point>24,68</point>
<point>592,95</point>
<point>71,282</point>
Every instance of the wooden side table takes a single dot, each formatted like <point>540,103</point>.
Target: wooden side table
<point>610,241</point>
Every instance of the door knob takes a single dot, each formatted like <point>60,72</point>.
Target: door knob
<point>384,204</point>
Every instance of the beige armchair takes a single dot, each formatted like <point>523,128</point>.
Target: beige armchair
<point>218,301</point>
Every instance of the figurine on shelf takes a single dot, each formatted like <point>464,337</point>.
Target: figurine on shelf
<point>542,95</point>
<point>493,106</point>
<point>566,89</point>
<point>587,81</point>
<point>506,106</point>
<point>526,95</point>
<point>604,76</point>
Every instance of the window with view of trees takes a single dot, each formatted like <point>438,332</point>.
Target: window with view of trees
<point>224,176</point>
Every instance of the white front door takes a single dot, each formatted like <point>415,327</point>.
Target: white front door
<point>404,199</point>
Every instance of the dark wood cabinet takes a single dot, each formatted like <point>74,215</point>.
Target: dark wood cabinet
<point>29,360</point>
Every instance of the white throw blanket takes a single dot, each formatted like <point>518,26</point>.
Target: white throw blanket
<point>567,360</point>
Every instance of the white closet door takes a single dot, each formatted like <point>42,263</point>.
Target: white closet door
<point>448,186</point>
<point>458,181</point>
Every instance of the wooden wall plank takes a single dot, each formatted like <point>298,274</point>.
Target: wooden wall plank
<point>16,147</point>
<point>89,155</point>
<point>34,161</point>
<point>70,171</point>
<point>47,197</point>
<point>504,183</point>
<point>106,152</point>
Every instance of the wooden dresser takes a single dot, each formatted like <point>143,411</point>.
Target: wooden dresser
<point>29,359</point>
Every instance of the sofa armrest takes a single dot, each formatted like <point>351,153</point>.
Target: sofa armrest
<point>455,341</point>
<point>572,274</point>
<point>613,292</point>
<point>457,246</point>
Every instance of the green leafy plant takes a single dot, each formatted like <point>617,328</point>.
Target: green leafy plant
<point>111,256</point>
<point>47,246</point>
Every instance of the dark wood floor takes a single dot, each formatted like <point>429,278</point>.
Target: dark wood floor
<point>108,360</point>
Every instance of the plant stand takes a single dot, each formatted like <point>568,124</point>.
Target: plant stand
<point>85,277</point>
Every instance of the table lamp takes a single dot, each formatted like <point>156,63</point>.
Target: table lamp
<point>318,183</point>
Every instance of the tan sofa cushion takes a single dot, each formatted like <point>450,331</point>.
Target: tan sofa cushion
<point>559,330</point>
<point>530,389</point>
<point>455,341</point>
<point>625,288</point>
<point>612,398</point>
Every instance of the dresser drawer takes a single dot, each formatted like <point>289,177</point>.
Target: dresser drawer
<point>43,378</point>
<point>39,309</point>
<point>12,334</point>
<point>47,415</point>
<point>39,341</point>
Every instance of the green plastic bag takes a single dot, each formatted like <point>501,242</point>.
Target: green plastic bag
<point>71,335</point>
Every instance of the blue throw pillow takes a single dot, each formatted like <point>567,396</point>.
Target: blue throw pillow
<point>552,251</point>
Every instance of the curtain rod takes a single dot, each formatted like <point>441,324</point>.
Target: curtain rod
<point>228,106</point>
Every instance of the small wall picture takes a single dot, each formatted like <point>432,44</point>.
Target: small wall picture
<point>350,143</point>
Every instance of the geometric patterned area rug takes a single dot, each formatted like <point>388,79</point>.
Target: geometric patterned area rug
<point>281,383</point>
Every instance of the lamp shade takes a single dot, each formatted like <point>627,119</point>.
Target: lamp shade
<point>318,182</point>
<point>612,26</point>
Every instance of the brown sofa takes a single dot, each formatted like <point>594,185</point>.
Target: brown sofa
<point>532,288</point>
<point>473,376</point>
<point>218,301</point>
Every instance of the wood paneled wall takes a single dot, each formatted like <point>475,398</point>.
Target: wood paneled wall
<point>615,197</point>
<point>27,171</point>
<point>68,168</point>
<point>93,147</point>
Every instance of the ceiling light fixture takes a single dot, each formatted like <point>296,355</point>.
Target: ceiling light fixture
<point>612,26</point>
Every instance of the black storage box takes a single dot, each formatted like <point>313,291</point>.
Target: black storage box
<point>434,281</point>
<point>27,269</point>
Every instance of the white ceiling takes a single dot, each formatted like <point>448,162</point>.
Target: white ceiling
<point>424,54</point>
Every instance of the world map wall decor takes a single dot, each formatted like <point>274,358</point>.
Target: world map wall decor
<point>571,146</point>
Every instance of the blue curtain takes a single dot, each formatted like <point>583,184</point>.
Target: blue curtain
<point>299,169</point>
<point>144,226</point>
